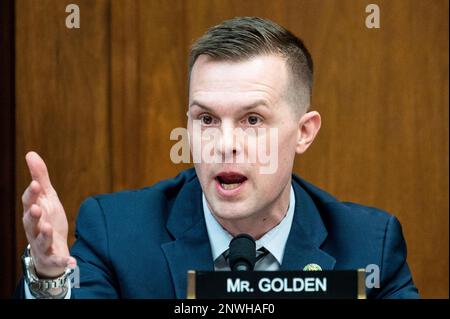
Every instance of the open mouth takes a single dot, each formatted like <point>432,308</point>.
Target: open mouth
<point>230,181</point>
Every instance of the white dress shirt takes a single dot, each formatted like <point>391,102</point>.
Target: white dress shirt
<point>274,240</point>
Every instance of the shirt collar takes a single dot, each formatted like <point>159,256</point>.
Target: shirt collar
<point>274,240</point>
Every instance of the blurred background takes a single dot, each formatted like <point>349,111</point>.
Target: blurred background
<point>98,104</point>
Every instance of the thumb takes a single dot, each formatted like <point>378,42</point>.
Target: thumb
<point>38,170</point>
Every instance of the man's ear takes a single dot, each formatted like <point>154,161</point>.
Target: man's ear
<point>308,127</point>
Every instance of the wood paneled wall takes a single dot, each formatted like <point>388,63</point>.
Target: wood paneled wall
<point>99,102</point>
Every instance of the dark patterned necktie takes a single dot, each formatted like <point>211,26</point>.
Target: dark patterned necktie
<point>260,254</point>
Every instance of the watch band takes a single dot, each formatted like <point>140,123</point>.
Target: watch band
<point>43,288</point>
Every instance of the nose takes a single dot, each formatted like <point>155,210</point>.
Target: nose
<point>230,143</point>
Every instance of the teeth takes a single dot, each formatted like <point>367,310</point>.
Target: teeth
<point>230,186</point>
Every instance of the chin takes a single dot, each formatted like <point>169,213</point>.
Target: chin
<point>231,211</point>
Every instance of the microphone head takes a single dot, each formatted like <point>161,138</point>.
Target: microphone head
<point>242,255</point>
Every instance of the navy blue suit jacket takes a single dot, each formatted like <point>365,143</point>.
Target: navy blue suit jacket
<point>140,244</point>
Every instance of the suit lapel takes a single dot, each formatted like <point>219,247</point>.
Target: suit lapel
<point>306,236</point>
<point>191,249</point>
<point>192,252</point>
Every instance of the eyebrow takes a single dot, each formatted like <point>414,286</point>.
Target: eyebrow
<point>245,107</point>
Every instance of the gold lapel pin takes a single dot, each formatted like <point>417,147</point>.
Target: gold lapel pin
<point>312,267</point>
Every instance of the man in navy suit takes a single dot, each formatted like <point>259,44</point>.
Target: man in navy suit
<point>250,85</point>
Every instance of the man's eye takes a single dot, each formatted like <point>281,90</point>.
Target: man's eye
<point>206,119</point>
<point>253,120</point>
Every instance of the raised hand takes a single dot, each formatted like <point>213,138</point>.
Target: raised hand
<point>45,222</point>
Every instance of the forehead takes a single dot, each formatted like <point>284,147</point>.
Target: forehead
<point>261,77</point>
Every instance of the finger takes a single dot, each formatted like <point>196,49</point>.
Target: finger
<point>45,238</point>
<point>38,170</point>
<point>31,195</point>
<point>31,221</point>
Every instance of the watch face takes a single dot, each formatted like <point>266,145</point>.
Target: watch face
<point>34,286</point>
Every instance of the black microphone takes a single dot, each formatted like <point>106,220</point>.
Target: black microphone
<point>242,253</point>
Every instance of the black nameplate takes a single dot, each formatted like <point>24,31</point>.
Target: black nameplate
<point>338,284</point>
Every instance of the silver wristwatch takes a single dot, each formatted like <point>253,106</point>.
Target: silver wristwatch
<point>43,288</point>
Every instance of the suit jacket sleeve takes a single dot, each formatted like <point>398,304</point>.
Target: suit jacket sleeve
<point>396,280</point>
<point>91,249</point>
